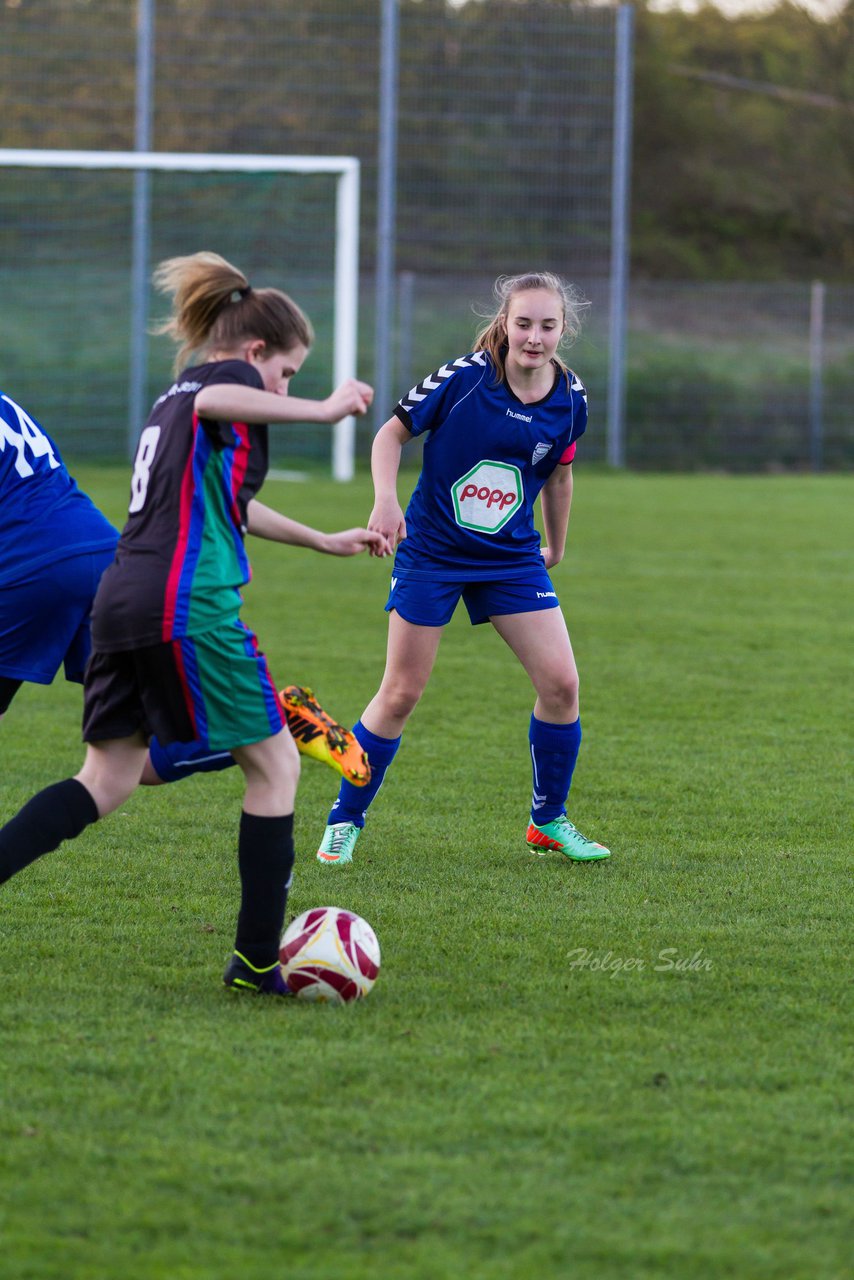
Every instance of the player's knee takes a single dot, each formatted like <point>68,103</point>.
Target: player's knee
<point>109,793</point>
<point>272,766</point>
<point>560,693</point>
<point>280,774</point>
<point>401,697</point>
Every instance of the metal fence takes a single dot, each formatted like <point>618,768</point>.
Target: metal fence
<point>741,377</point>
<point>503,140</point>
<point>502,115</point>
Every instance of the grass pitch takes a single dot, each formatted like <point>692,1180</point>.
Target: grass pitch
<point>635,1069</point>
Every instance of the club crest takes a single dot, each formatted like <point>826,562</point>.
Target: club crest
<point>539,453</point>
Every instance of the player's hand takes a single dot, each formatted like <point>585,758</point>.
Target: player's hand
<point>549,558</point>
<point>352,396</point>
<point>349,542</point>
<point>387,519</point>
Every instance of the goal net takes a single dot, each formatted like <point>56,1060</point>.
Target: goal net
<point>80,232</point>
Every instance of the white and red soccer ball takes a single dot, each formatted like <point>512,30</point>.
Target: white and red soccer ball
<point>330,955</point>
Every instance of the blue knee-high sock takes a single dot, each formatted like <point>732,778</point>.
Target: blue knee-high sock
<point>352,803</point>
<point>554,751</point>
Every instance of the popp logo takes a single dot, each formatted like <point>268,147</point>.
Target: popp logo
<point>487,496</point>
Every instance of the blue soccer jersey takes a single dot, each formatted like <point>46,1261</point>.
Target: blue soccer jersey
<point>486,457</point>
<point>44,517</point>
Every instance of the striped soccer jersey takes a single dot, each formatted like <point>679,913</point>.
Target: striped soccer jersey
<point>181,562</point>
<point>486,457</point>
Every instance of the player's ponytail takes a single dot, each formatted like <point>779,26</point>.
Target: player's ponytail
<point>215,307</point>
<point>492,338</point>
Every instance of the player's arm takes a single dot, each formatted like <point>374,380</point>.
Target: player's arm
<point>555,502</point>
<point>263,522</point>
<point>235,402</point>
<point>387,515</point>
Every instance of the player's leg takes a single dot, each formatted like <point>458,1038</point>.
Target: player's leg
<point>540,641</point>
<point>265,857</point>
<point>115,753</point>
<point>410,656</point>
<point>111,770</point>
<point>236,708</point>
<point>321,737</point>
<point>316,733</point>
<point>176,760</point>
<point>62,811</point>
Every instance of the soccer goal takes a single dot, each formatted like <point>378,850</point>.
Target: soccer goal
<point>79,234</point>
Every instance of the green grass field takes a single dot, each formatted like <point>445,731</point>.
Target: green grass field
<point>636,1069</point>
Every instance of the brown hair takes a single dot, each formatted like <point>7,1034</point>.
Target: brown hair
<point>492,338</point>
<point>215,307</point>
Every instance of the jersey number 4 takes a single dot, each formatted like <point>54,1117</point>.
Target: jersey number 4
<point>145,451</point>
<point>30,436</point>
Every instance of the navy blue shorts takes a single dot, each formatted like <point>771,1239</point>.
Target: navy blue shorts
<point>431,601</point>
<point>175,760</point>
<point>44,621</point>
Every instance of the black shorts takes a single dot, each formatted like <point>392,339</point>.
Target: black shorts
<point>139,690</point>
<point>215,688</point>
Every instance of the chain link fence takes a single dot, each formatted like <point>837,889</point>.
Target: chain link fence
<point>740,377</point>
<point>504,130</point>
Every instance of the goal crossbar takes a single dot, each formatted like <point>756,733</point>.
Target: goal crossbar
<point>346,287</point>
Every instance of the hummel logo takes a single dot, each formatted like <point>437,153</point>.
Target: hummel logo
<point>523,417</point>
<point>420,390</point>
<point>546,595</point>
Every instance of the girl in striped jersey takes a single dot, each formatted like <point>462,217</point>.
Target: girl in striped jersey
<point>171,656</point>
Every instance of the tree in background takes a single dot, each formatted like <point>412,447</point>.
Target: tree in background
<point>744,144</point>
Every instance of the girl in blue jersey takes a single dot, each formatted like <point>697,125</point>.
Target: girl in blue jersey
<point>501,426</point>
<point>171,655</point>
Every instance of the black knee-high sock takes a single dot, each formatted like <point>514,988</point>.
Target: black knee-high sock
<point>265,858</point>
<point>58,813</point>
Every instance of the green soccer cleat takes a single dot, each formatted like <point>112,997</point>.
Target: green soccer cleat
<point>240,975</point>
<point>560,836</point>
<point>338,843</point>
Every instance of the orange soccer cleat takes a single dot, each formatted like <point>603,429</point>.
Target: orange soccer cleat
<point>319,736</point>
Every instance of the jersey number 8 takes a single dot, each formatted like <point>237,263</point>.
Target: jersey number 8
<point>142,468</point>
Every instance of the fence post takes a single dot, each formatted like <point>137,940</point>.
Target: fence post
<point>817,294</point>
<point>386,182</point>
<point>621,154</point>
<point>138,372</point>
<point>405,328</point>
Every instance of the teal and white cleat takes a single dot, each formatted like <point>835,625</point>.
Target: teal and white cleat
<point>338,843</point>
<point>560,836</point>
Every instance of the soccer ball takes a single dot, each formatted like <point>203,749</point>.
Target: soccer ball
<point>330,955</point>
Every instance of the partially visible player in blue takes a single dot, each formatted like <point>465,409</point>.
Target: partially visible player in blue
<point>501,426</point>
<point>54,546</point>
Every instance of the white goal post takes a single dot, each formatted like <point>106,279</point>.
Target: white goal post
<point>346,287</point>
